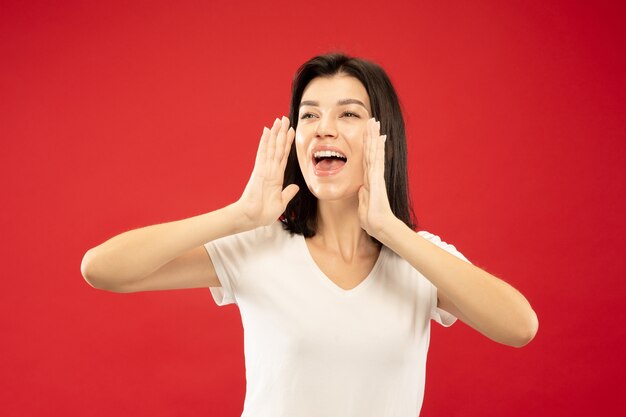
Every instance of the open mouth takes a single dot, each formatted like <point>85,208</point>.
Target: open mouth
<point>328,162</point>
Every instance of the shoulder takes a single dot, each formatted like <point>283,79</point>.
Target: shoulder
<point>268,237</point>
<point>274,232</point>
<point>437,240</point>
<point>431,237</point>
<point>271,231</point>
<point>254,239</point>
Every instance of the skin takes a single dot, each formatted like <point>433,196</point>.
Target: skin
<point>354,204</point>
<point>341,228</point>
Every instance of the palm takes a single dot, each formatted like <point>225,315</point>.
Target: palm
<point>264,199</point>
<point>374,209</point>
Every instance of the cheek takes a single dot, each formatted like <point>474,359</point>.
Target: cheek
<point>300,152</point>
<point>357,147</point>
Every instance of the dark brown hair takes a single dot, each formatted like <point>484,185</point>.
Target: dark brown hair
<point>300,216</point>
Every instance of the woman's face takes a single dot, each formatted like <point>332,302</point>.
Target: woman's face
<point>332,118</point>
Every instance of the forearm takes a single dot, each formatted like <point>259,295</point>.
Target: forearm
<point>134,254</point>
<point>488,304</point>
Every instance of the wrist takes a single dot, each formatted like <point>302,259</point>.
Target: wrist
<point>240,220</point>
<point>391,228</point>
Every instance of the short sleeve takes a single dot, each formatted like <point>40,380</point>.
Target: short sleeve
<point>439,315</point>
<point>228,254</point>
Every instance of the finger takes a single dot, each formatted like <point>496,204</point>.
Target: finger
<point>271,145</point>
<point>381,150</point>
<point>366,140</point>
<point>372,145</point>
<point>281,139</point>
<point>378,168</point>
<point>288,193</point>
<point>366,144</point>
<point>361,197</point>
<point>366,176</point>
<point>380,156</point>
<point>259,162</point>
<point>364,157</point>
<point>291,134</point>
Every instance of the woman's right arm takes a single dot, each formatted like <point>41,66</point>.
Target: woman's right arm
<point>172,255</point>
<point>162,256</point>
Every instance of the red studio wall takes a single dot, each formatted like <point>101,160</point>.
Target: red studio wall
<point>119,115</point>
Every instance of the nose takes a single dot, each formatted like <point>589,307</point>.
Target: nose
<point>326,127</point>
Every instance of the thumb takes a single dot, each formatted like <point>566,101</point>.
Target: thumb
<point>289,192</point>
<point>362,196</point>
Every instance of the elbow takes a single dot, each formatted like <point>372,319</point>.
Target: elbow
<point>529,330</point>
<point>87,269</point>
<point>92,274</point>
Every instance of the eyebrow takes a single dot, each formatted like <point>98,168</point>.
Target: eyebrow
<point>342,102</point>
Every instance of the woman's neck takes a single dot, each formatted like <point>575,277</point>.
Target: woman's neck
<point>339,230</point>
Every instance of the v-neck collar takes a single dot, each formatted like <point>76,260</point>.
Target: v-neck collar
<point>329,282</point>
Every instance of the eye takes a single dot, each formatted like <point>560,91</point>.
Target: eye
<point>346,113</point>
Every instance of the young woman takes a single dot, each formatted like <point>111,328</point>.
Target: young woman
<point>335,288</point>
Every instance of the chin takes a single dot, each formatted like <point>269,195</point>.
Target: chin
<point>333,192</point>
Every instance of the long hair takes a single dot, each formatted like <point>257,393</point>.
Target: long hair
<point>300,215</point>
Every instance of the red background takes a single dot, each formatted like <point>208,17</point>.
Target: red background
<point>115,116</point>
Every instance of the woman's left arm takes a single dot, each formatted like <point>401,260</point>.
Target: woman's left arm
<point>477,298</point>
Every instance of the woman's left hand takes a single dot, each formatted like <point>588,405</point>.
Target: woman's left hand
<point>374,209</point>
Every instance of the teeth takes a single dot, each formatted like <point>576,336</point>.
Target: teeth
<point>321,154</point>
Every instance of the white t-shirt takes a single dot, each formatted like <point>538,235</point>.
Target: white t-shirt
<point>313,349</point>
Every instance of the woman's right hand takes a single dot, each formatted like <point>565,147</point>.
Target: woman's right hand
<point>264,199</point>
